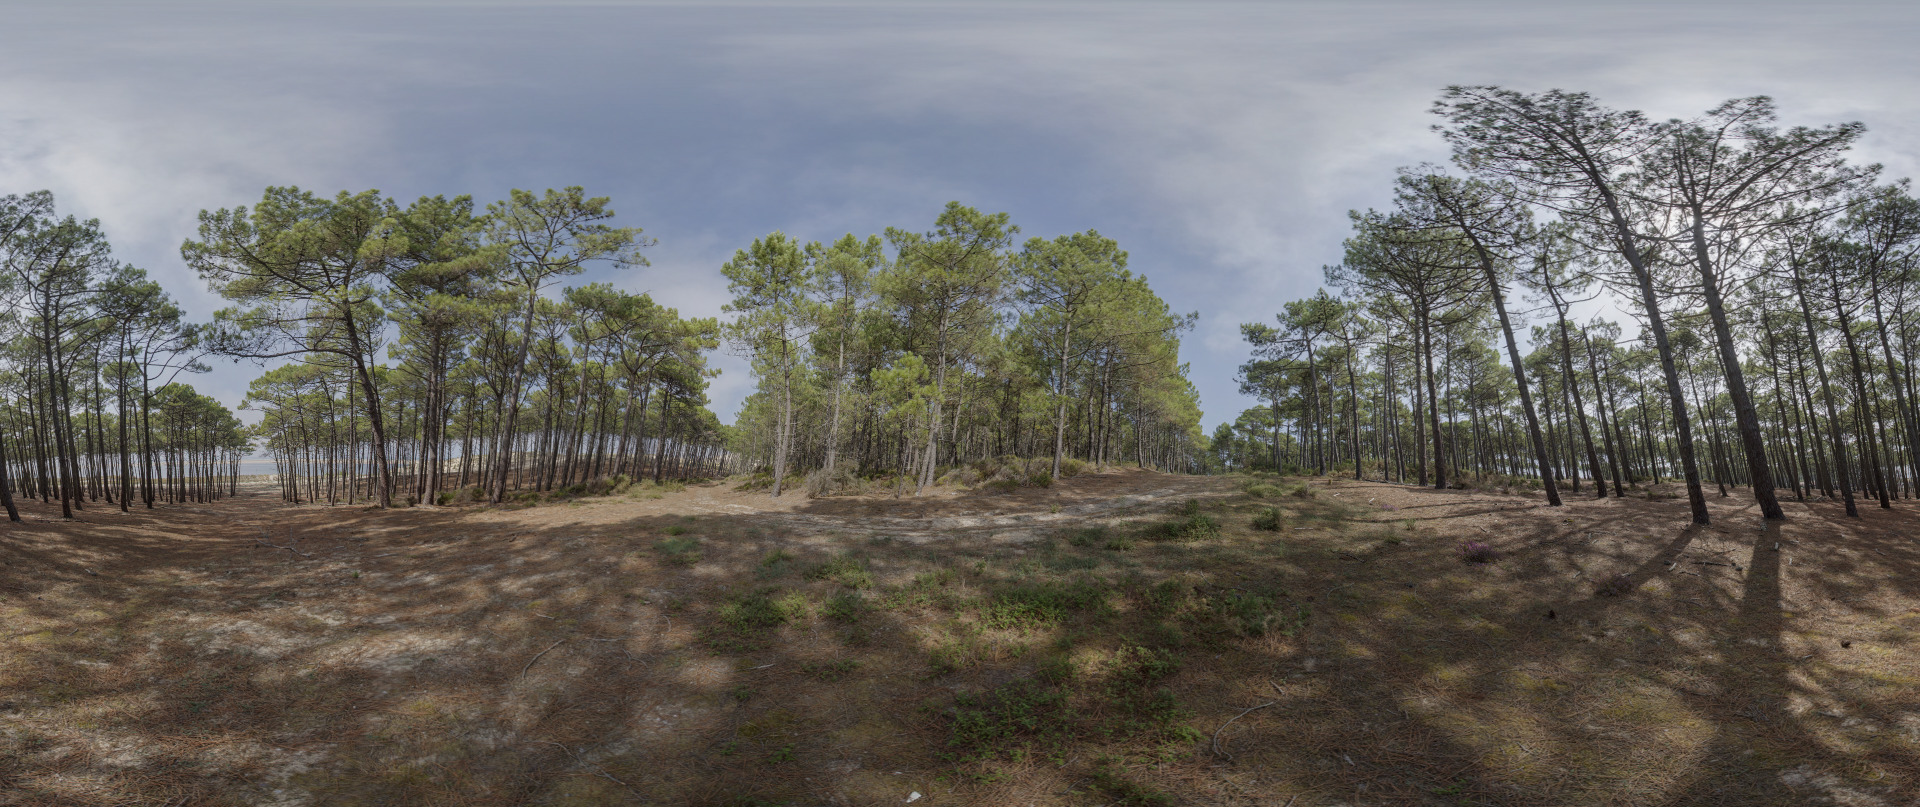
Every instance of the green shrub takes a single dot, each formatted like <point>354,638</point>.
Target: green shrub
<point>746,620</point>
<point>775,564</point>
<point>846,606</point>
<point>1087,536</point>
<point>1249,614</point>
<point>1269,520</point>
<point>1262,490</point>
<point>1196,527</point>
<point>1167,597</point>
<point>928,589</point>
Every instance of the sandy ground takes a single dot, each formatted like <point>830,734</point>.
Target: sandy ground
<point>577,653</point>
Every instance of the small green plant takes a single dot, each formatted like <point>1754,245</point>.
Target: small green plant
<point>1262,490</point>
<point>747,619</point>
<point>1087,536</point>
<point>785,754</point>
<point>846,606</point>
<point>1042,605</point>
<point>679,551</point>
<point>952,655</point>
<point>1190,524</point>
<point>741,693</point>
<point>846,570</point>
<point>1269,520</point>
<point>1167,597</point>
<point>1056,670</point>
<point>1127,791</point>
<point>775,564</point>
<point>675,529</point>
<point>1195,527</point>
<point>1119,543</point>
<point>1006,720</point>
<point>1250,614</point>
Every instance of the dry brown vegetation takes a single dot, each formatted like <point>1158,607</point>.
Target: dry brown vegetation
<point>1103,641</point>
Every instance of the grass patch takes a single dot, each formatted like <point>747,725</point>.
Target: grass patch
<point>679,551</point>
<point>1087,536</point>
<point>1043,605</point>
<point>846,570</point>
<point>1044,716</point>
<point>747,621</point>
<point>846,606</point>
<point>1191,525</point>
<point>1126,791</point>
<point>831,671</point>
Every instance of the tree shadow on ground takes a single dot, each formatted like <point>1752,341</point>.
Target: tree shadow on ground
<point>563,655</point>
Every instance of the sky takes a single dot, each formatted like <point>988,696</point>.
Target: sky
<point>1221,144</point>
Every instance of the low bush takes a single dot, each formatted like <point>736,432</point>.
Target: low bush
<point>846,606</point>
<point>1269,520</point>
<point>821,483</point>
<point>1192,525</point>
<point>1477,553</point>
<point>1262,490</point>
<point>1087,536</point>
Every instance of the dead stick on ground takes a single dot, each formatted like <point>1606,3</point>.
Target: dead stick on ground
<point>536,657</point>
<point>578,760</point>
<point>263,542</point>
<point>1223,727</point>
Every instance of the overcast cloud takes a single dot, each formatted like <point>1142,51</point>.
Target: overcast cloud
<point>1221,144</point>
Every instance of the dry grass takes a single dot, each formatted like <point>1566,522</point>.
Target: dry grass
<point>1040,646</point>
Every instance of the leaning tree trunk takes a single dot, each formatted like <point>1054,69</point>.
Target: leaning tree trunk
<point>1826,394</point>
<point>1744,414</point>
<point>1520,379</point>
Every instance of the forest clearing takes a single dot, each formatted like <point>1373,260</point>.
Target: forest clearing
<point>1123,637</point>
<point>1578,465</point>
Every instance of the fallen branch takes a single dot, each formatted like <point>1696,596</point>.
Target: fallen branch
<point>1223,727</point>
<point>536,657</point>
<point>263,542</point>
<point>578,761</point>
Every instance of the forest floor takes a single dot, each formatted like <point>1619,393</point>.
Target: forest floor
<point>1098,642</point>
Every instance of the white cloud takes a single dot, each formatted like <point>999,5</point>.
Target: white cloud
<point>1222,143</point>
